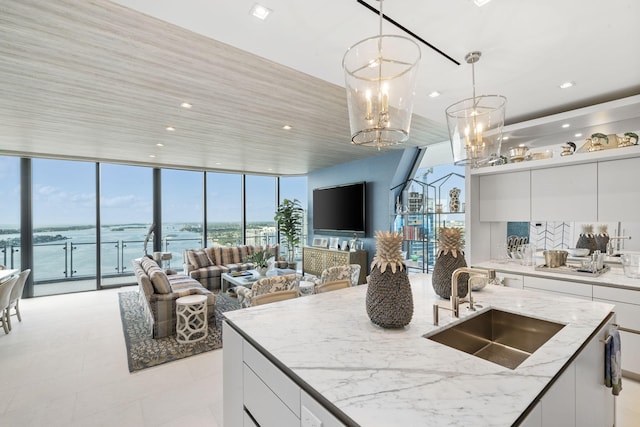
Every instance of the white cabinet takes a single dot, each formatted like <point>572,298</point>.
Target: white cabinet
<point>618,193</point>
<point>559,403</point>
<point>256,393</point>
<point>573,289</point>
<point>232,365</point>
<point>505,197</point>
<point>565,193</point>
<point>594,402</point>
<point>534,418</point>
<point>627,309</point>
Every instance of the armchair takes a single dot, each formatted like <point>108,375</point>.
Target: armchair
<point>267,285</point>
<point>349,272</point>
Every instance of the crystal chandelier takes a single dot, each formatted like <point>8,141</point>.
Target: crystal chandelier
<point>475,124</point>
<point>380,77</point>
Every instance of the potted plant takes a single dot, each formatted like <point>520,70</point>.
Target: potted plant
<point>260,260</point>
<point>289,216</point>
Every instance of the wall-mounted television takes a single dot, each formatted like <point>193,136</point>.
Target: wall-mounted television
<point>340,208</point>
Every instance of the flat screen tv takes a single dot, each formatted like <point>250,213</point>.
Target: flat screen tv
<point>340,208</point>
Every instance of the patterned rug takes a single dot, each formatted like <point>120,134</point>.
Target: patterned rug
<point>144,352</point>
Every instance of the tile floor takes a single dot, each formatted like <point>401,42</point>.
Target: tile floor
<point>65,365</point>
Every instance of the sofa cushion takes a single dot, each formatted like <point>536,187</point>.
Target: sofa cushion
<point>198,258</point>
<point>211,271</point>
<point>214,255</point>
<point>160,281</point>
<point>230,255</point>
<point>148,263</point>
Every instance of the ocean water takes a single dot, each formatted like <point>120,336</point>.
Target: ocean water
<point>67,253</point>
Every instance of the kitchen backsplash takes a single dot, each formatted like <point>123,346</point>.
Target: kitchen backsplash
<point>560,235</point>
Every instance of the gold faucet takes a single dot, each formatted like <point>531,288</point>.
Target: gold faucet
<point>489,273</point>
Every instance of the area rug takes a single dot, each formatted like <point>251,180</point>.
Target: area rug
<point>144,352</point>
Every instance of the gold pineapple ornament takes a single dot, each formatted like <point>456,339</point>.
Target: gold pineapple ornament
<point>587,239</point>
<point>450,257</point>
<point>389,297</point>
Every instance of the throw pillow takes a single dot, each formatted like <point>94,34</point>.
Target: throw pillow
<point>160,282</point>
<point>147,264</point>
<point>199,258</point>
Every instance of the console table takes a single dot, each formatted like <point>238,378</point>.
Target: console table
<point>316,260</point>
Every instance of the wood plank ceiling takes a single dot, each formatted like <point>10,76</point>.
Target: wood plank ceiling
<point>96,81</point>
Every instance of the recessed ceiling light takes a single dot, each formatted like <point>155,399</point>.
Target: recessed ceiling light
<point>505,138</point>
<point>159,144</point>
<point>565,125</point>
<point>566,85</point>
<point>434,94</point>
<point>260,12</point>
<point>578,135</point>
<point>286,127</point>
<point>218,163</point>
<point>170,128</point>
<point>152,155</point>
<point>480,3</point>
<point>186,105</point>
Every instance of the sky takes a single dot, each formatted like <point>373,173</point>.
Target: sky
<point>64,194</point>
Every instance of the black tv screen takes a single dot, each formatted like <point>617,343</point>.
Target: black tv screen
<point>340,208</point>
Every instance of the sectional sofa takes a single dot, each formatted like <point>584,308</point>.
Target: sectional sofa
<point>206,265</point>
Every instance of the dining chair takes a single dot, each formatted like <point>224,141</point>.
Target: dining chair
<point>5,295</point>
<point>333,286</point>
<point>16,295</point>
<point>273,297</point>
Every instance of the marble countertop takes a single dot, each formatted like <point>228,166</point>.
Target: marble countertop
<point>386,377</point>
<point>613,278</point>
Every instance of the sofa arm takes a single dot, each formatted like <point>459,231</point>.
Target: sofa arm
<point>187,268</point>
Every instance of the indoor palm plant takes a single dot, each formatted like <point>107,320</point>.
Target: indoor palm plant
<point>289,216</point>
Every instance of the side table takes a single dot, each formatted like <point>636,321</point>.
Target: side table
<point>191,319</point>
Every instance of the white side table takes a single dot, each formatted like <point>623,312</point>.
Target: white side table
<point>191,318</point>
<point>306,288</point>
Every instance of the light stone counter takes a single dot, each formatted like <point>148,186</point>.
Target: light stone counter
<point>382,377</point>
<point>613,278</point>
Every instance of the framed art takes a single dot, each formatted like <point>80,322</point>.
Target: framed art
<point>333,243</point>
<point>320,242</point>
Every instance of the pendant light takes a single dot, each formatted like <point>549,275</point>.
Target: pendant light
<point>475,124</point>
<point>380,77</point>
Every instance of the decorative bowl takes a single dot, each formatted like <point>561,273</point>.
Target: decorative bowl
<point>578,251</point>
<point>518,154</point>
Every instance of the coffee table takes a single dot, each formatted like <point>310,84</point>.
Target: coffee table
<point>232,279</point>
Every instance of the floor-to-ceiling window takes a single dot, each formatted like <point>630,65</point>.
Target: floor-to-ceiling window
<point>64,226</point>
<point>126,212</point>
<point>260,206</point>
<point>10,212</point>
<point>292,188</point>
<point>224,209</point>
<point>182,212</point>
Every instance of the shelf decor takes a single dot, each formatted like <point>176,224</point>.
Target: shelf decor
<point>450,257</point>
<point>389,297</point>
<point>587,240</point>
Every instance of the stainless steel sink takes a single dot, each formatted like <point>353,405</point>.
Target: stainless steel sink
<point>498,336</point>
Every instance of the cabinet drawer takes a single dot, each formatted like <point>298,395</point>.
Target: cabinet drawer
<point>560,286</point>
<point>312,412</point>
<point>281,385</point>
<point>617,294</point>
<point>628,315</point>
<point>264,405</point>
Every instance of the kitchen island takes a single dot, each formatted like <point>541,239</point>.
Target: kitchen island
<point>357,374</point>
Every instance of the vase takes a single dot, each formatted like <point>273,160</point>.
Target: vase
<point>587,240</point>
<point>389,298</point>
<point>450,257</point>
<point>262,271</point>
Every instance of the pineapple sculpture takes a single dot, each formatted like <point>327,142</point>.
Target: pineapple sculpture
<point>602,238</point>
<point>450,257</point>
<point>389,297</point>
<point>587,240</point>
